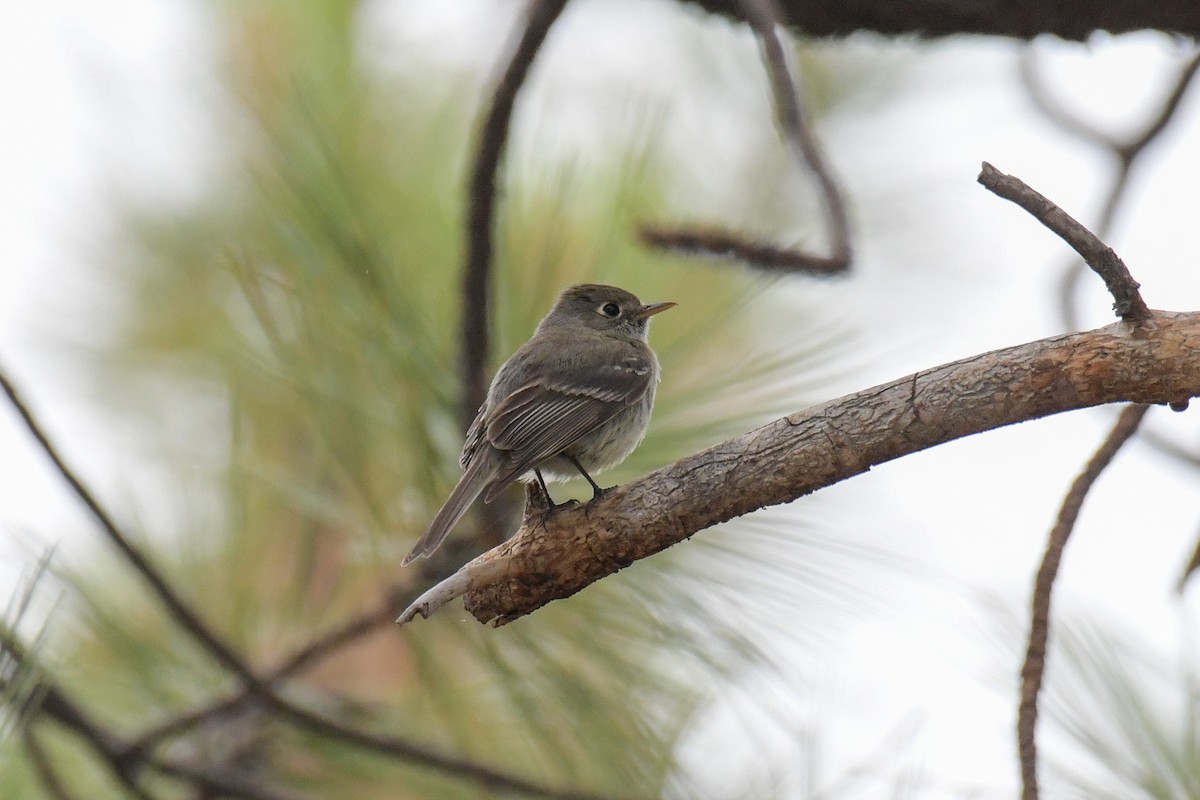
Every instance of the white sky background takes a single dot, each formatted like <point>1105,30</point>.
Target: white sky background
<point>113,97</point>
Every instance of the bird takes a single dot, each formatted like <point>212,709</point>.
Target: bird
<point>575,398</point>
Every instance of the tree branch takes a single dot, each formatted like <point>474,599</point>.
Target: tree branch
<point>301,660</point>
<point>53,703</point>
<point>123,754</point>
<point>1103,260</point>
<point>178,609</point>
<point>712,242</point>
<point>795,125</point>
<point>481,203</point>
<point>1125,153</point>
<point>481,212</point>
<point>124,760</point>
<point>43,767</point>
<point>1033,670</point>
<point>1156,361</point>
<point>1021,19</point>
<point>1192,566</point>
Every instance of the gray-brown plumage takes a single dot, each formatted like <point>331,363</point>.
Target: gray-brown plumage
<point>575,398</point>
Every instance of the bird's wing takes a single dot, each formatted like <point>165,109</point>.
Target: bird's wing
<point>474,437</point>
<point>544,417</point>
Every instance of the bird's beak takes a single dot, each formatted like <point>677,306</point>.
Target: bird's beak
<point>652,309</point>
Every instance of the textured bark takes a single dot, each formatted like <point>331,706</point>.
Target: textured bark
<point>1021,19</point>
<point>1155,361</point>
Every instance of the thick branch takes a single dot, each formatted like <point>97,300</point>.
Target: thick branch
<point>1034,668</point>
<point>1156,361</point>
<point>1021,19</point>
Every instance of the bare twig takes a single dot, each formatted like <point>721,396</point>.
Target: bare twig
<point>52,702</point>
<point>215,783</point>
<point>439,594</point>
<point>763,16</point>
<point>304,658</point>
<point>1127,301</point>
<point>159,586</point>
<point>1125,152</point>
<point>1126,149</point>
<point>712,242</point>
<point>402,749</point>
<point>1033,670</point>
<point>1192,565</point>
<point>42,765</point>
<point>481,203</point>
<point>795,126</point>
<point>124,760</point>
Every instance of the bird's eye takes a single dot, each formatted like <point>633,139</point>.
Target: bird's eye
<point>610,310</point>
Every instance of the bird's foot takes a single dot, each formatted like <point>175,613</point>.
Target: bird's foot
<point>541,504</point>
<point>598,493</point>
<point>553,508</point>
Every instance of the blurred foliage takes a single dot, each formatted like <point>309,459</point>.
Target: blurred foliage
<point>290,344</point>
<point>1130,718</point>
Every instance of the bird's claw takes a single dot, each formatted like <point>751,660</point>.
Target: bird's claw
<point>598,494</point>
<point>555,507</point>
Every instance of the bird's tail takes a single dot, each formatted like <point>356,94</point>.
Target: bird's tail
<point>479,472</point>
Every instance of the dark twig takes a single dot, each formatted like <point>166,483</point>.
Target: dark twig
<point>52,702</point>
<point>795,125</point>
<point>303,659</point>
<point>1130,149</point>
<point>481,203</point>
<point>1192,565</point>
<point>125,760</point>
<point>43,766</point>
<point>1124,151</point>
<point>1126,154</point>
<point>1127,301</point>
<point>121,754</point>
<point>112,752</point>
<point>1033,670</point>
<point>763,17</point>
<point>481,214</point>
<point>715,243</point>
<point>179,723</point>
<point>176,607</point>
<point>309,656</point>
<point>401,749</point>
<point>214,783</point>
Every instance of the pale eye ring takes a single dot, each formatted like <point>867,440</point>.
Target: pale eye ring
<point>610,310</point>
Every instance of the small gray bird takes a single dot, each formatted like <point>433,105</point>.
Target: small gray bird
<point>575,397</point>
